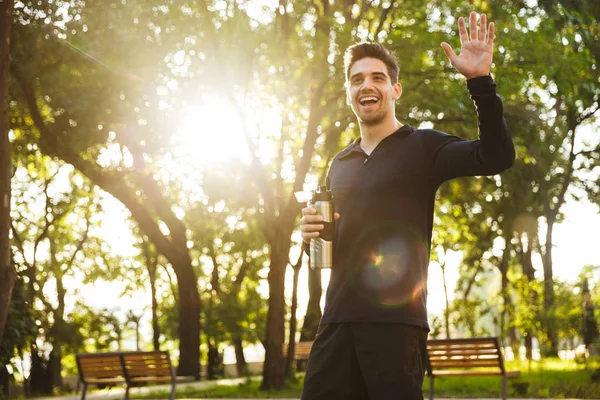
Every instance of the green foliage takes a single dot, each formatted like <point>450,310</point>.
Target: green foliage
<point>587,318</point>
<point>528,310</point>
<point>20,325</point>
<point>232,253</point>
<point>97,330</point>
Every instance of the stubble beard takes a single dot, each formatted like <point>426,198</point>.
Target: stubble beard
<point>373,118</point>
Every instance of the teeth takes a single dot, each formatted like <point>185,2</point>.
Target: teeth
<point>364,99</point>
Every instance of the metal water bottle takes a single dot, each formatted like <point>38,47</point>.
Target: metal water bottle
<point>321,248</point>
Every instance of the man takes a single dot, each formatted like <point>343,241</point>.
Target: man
<point>371,343</point>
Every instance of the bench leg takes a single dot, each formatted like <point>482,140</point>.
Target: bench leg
<point>504,379</point>
<point>430,387</point>
<point>83,391</point>
<point>127,392</point>
<point>173,391</point>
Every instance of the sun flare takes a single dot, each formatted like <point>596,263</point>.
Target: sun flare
<point>211,133</point>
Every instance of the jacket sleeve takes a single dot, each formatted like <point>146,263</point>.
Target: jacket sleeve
<point>493,153</point>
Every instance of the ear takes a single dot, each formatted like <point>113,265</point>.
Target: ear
<point>397,90</point>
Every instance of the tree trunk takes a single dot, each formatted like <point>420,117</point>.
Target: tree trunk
<point>506,303</point>
<point>189,322</point>
<point>55,362</point>
<point>4,382</point>
<point>274,367</point>
<point>552,349</point>
<point>155,328</point>
<point>529,272</point>
<point>137,333</point>
<point>240,359</point>
<point>236,329</point>
<point>289,362</point>
<point>151,258</point>
<point>313,310</point>
<point>39,378</point>
<point>214,361</point>
<point>447,309</point>
<point>7,271</point>
<point>55,367</point>
<point>528,346</point>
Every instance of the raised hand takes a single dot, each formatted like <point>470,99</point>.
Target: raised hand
<point>475,58</point>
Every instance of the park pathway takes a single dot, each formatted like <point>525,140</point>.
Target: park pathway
<point>117,393</point>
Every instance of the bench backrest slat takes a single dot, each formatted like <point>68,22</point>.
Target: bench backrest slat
<point>464,354</point>
<point>99,366</point>
<point>147,364</point>
<point>463,365</point>
<point>301,349</point>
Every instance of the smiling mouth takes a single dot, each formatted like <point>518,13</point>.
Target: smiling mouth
<point>368,100</point>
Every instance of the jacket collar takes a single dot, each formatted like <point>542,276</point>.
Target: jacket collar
<point>354,147</point>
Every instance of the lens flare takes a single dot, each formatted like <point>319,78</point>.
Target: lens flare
<point>392,267</point>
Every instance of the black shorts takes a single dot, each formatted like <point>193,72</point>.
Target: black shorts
<point>366,361</point>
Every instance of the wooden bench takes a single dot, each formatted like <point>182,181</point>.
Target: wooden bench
<point>129,368</point>
<point>301,350</point>
<point>466,357</point>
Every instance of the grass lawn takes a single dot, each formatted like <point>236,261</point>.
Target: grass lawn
<point>552,378</point>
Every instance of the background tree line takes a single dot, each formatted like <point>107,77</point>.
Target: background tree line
<point>93,95</point>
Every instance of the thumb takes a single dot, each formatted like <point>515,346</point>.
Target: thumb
<point>336,216</point>
<point>449,52</point>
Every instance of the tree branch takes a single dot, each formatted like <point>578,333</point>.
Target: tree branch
<point>237,284</point>
<point>83,239</point>
<point>383,18</point>
<point>214,282</point>
<point>108,181</point>
<point>261,174</point>
<point>568,176</point>
<point>588,115</point>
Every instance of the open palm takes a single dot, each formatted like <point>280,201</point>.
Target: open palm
<point>475,58</point>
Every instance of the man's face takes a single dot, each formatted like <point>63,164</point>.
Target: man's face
<point>370,91</point>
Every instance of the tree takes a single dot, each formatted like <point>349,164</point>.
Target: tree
<point>231,251</point>
<point>20,331</point>
<point>7,270</point>
<point>51,239</point>
<point>572,87</point>
<point>590,330</point>
<point>76,131</point>
<point>290,371</point>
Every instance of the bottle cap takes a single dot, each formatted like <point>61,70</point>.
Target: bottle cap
<point>322,194</point>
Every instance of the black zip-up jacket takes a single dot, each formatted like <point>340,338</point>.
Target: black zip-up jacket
<point>386,202</point>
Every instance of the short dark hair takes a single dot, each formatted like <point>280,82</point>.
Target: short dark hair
<point>371,50</point>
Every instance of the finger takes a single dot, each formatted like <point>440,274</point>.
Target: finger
<point>306,236</point>
<point>491,35</point>
<point>311,227</point>
<point>473,25</point>
<point>483,32</point>
<point>448,50</point>
<point>309,211</point>
<point>336,216</point>
<point>311,219</point>
<point>462,30</point>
